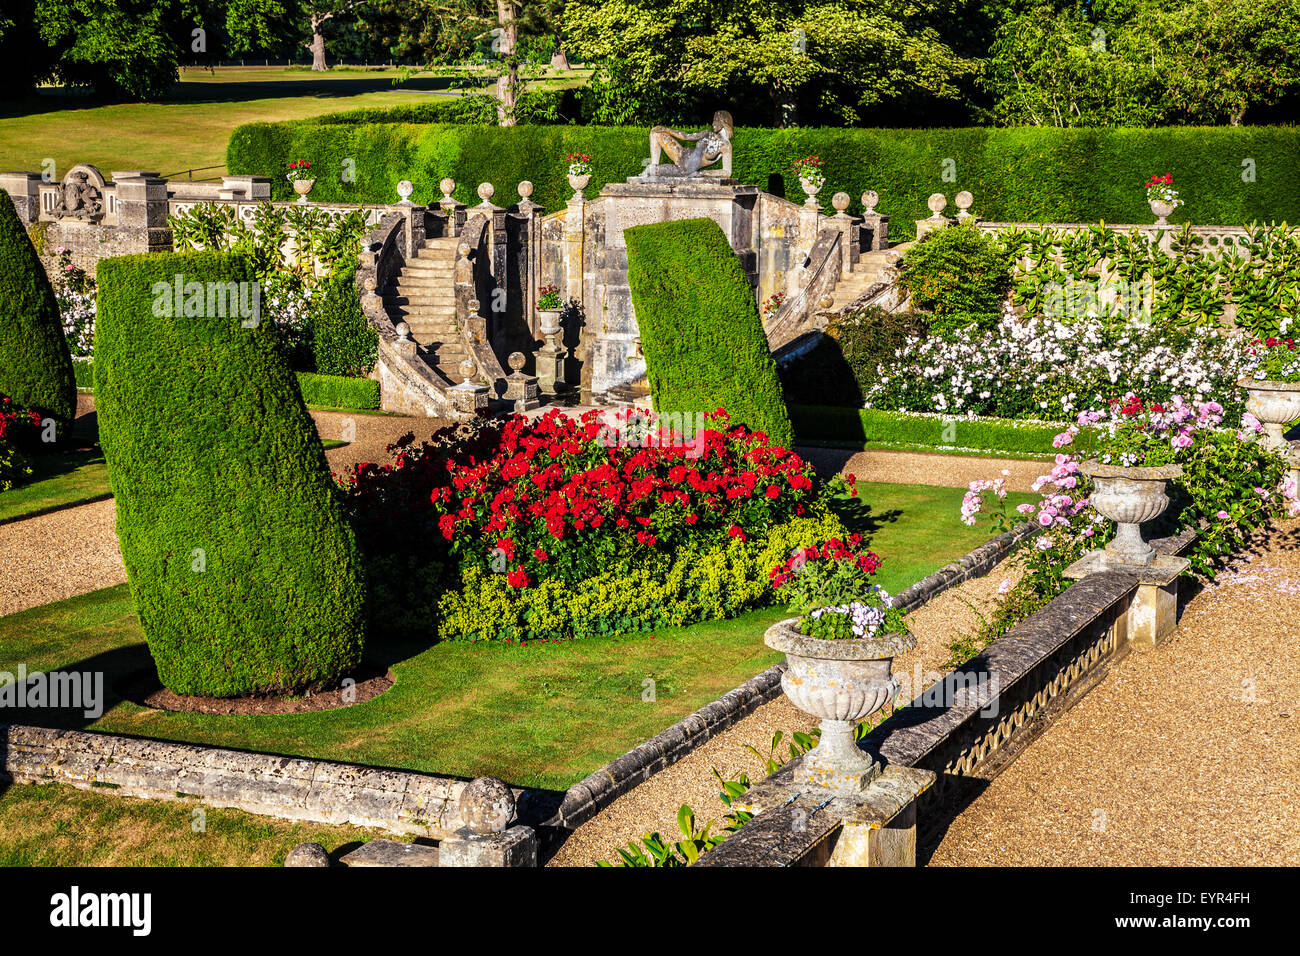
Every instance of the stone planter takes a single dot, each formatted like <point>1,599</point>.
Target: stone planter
<point>1276,405</point>
<point>1162,211</point>
<point>579,183</point>
<point>302,187</point>
<point>840,683</point>
<point>811,190</point>
<point>548,321</point>
<point>1128,497</point>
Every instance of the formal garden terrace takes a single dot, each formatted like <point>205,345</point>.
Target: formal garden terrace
<point>427,493</point>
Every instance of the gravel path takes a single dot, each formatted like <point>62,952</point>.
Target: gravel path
<point>1186,755</point>
<point>653,805</point>
<point>368,436</point>
<point>59,555</point>
<point>922,468</point>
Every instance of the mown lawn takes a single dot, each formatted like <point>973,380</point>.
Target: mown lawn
<point>57,825</point>
<point>189,129</point>
<point>542,715</point>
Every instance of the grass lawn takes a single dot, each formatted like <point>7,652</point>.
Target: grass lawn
<point>543,715</point>
<point>57,825</point>
<point>190,128</point>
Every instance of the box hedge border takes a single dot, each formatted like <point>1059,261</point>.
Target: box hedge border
<point>825,423</point>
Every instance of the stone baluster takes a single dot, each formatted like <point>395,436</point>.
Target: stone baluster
<point>531,212</point>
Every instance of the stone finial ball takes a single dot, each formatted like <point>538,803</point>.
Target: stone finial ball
<point>307,854</point>
<point>869,200</point>
<point>517,360</point>
<point>486,805</point>
<point>467,368</point>
<point>404,189</point>
<point>525,189</point>
<point>448,186</point>
<point>840,201</point>
<point>825,302</point>
<point>485,191</point>
<point>403,330</point>
<point>964,200</point>
<point>937,203</point>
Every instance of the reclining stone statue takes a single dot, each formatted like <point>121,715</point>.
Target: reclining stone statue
<point>711,145</point>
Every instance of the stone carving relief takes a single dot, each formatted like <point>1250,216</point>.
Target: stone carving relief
<point>81,195</point>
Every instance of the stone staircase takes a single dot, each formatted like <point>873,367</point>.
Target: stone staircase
<point>871,267</point>
<point>423,296</point>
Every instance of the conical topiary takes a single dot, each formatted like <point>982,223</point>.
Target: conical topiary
<point>35,364</point>
<point>245,573</point>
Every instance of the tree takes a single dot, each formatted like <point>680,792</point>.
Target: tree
<point>1143,62</point>
<point>35,364</point>
<point>121,48</point>
<point>663,60</point>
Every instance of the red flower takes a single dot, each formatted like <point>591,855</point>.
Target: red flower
<point>736,531</point>
<point>540,555</point>
<point>773,491</point>
<point>518,578</point>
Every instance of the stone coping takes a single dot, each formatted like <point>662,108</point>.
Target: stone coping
<point>784,636</point>
<point>589,796</point>
<point>292,788</point>
<point>1095,469</point>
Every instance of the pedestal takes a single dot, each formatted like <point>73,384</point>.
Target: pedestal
<point>514,847</point>
<point>1153,610</point>
<point>550,368</point>
<point>522,390</point>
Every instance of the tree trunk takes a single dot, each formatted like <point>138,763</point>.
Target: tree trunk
<point>559,59</point>
<point>317,47</point>
<point>786,104</point>
<point>507,44</point>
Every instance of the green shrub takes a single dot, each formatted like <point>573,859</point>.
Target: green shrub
<point>244,571</point>
<point>35,364</point>
<point>14,469</point>
<point>861,425</point>
<point>960,274</point>
<point>336,391</point>
<point>1016,174</point>
<point>343,342</point>
<point>700,330</point>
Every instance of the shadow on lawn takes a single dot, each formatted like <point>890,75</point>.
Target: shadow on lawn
<point>859,516</point>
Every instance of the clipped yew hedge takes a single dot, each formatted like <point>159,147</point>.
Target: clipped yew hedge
<point>35,364</point>
<point>1016,174</point>
<point>860,426</point>
<point>700,330</point>
<point>245,573</point>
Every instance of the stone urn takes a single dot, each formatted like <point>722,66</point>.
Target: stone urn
<point>1162,211</point>
<point>1276,405</point>
<point>578,182</point>
<point>1129,496</point>
<point>811,189</point>
<point>302,187</point>
<point>840,682</point>
<point>548,321</point>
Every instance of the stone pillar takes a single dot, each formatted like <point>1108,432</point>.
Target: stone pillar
<point>531,213</point>
<point>937,203</point>
<point>142,210</point>
<point>486,808</point>
<point>413,227</point>
<point>574,237</point>
<point>24,188</point>
<point>453,210</point>
<point>1152,613</point>
<point>848,227</point>
<point>520,388</point>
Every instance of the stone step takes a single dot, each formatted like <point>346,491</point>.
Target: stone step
<point>391,853</point>
<point>440,279</point>
<point>423,263</point>
<point>421,298</point>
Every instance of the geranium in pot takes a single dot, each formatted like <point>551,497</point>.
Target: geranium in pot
<point>1162,197</point>
<point>839,652</point>
<point>811,177</point>
<point>1273,390</point>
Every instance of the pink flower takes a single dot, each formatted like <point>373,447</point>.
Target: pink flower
<point>1222,515</point>
<point>1005,586</point>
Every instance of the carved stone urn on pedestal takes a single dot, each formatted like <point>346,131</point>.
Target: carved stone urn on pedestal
<point>840,682</point>
<point>811,189</point>
<point>1162,211</point>
<point>1128,497</point>
<point>1276,405</point>
<point>578,182</point>
<point>302,187</point>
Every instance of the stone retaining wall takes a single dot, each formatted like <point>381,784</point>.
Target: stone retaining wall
<point>293,788</point>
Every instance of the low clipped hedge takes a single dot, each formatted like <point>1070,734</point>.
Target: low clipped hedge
<point>35,364</point>
<point>244,571</point>
<point>336,391</point>
<point>343,342</point>
<point>700,330</point>
<point>1016,174</point>
<point>824,423</point>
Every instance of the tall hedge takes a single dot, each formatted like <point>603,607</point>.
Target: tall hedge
<point>700,330</point>
<point>35,364</point>
<point>1226,175</point>
<point>244,571</point>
